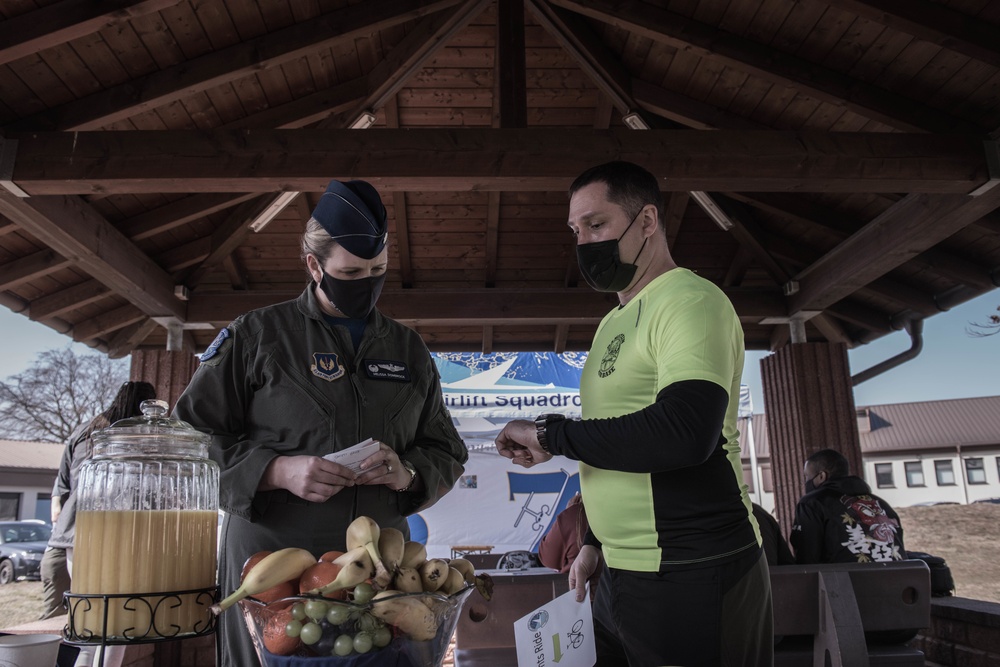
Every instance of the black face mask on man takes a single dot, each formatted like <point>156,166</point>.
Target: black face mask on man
<point>353,298</point>
<point>811,483</point>
<point>601,264</point>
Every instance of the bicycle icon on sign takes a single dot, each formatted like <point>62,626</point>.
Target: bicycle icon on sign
<point>575,635</point>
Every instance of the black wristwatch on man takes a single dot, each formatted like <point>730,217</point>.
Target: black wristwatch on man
<point>541,423</point>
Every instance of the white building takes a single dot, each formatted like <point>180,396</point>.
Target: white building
<point>914,453</point>
<point>27,473</point>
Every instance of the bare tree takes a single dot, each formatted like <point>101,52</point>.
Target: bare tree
<point>57,393</point>
<point>988,328</point>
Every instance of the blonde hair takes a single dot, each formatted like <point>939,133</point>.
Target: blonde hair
<point>316,241</point>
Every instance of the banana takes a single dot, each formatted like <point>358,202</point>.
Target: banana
<point>464,566</point>
<point>408,580</point>
<point>453,583</point>
<point>356,566</point>
<point>364,532</point>
<point>414,555</point>
<point>433,574</point>
<point>390,548</point>
<point>408,614</point>
<point>273,569</point>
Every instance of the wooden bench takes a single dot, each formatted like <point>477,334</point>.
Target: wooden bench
<point>821,614</point>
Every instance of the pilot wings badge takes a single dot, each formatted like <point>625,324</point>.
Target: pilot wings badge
<point>326,365</point>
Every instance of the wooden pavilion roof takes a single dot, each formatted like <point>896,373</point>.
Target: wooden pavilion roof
<point>832,162</point>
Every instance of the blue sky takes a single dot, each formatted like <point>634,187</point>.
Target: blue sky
<point>951,365</point>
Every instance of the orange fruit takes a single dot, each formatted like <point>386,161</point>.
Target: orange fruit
<point>330,556</point>
<point>275,639</point>
<point>282,590</point>
<point>319,575</point>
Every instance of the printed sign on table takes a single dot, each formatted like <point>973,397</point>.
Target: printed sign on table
<point>558,633</point>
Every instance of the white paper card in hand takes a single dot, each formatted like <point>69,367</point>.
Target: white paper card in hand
<point>353,456</point>
<point>558,633</point>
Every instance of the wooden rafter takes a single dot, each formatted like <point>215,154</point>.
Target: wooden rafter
<point>76,231</point>
<point>769,63</point>
<point>512,97</point>
<point>402,235</point>
<point>107,322</point>
<point>688,111</point>
<point>341,26</point>
<point>491,159</point>
<point>64,21</point>
<point>29,267</point>
<point>68,298</point>
<point>479,307</point>
<point>179,212</point>
<point>130,337</point>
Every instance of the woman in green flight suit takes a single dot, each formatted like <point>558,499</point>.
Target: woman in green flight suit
<point>284,385</point>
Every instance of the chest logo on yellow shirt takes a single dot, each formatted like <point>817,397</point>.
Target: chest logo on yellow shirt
<point>326,365</point>
<point>611,356</point>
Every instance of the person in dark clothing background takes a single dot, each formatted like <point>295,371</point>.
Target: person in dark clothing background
<point>773,542</point>
<point>839,520</point>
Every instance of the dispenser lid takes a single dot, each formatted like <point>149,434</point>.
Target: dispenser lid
<point>154,429</point>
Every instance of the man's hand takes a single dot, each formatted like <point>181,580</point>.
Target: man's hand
<point>586,567</point>
<point>311,478</point>
<point>519,443</point>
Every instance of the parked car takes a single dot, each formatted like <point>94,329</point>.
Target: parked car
<point>22,544</point>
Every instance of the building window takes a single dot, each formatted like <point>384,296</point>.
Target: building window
<point>43,507</point>
<point>10,506</point>
<point>945,473</point>
<point>914,473</point>
<point>766,480</point>
<point>883,476</point>
<point>975,473</point>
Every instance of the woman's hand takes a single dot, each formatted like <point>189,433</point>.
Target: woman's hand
<point>311,478</point>
<point>384,467</point>
<point>586,567</point>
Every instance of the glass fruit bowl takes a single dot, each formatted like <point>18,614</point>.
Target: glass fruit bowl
<point>406,630</point>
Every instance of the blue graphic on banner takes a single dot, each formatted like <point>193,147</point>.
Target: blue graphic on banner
<point>541,512</point>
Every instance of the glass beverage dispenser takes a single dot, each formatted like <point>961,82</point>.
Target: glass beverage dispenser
<point>144,555</point>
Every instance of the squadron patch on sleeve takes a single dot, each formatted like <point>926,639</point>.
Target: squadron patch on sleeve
<point>383,369</point>
<point>222,343</point>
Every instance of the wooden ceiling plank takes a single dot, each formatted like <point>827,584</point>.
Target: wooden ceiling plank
<point>183,256</point>
<point>510,64</point>
<point>67,299</point>
<point>492,237</point>
<point>673,215</point>
<point>478,306</point>
<point>594,58</point>
<point>113,320</point>
<point>402,236</point>
<point>688,111</point>
<point>76,231</point>
<point>179,212</point>
<point>341,26</point>
<point>25,269</point>
<point>236,271</point>
<point>769,63</point>
<point>562,335</point>
<point>61,22</point>
<point>491,159</point>
<point>932,22</point>
<point>913,225</point>
<point>488,339</point>
<point>309,109</point>
<point>125,341</point>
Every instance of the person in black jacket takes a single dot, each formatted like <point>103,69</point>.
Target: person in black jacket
<point>839,520</point>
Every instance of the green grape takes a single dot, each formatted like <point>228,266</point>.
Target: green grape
<point>344,645</point>
<point>293,628</point>
<point>363,593</point>
<point>311,633</point>
<point>367,623</point>
<point>338,614</point>
<point>382,636</point>
<point>316,609</point>
<point>363,642</point>
<point>298,611</point>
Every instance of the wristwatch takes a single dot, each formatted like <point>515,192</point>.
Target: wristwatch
<point>541,423</point>
<point>408,467</point>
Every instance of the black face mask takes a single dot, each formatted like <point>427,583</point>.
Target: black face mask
<point>353,298</point>
<point>602,266</point>
<point>811,485</point>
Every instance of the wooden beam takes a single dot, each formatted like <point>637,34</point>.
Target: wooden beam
<point>491,159</point>
<point>309,109</point>
<point>492,237</point>
<point>67,299</point>
<point>766,62</point>
<point>688,111</point>
<point>509,70</point>
<point>402,236</point>
<point>913,225</point>
<point>673,215</point>
<point>488,339</point>
<point>24,269</point>
<point>179,212</point>
<point>131,337</point>
<point>477,307</point>
<point>933,22</point>
<point>104,323</point>
<point>76,231</point>
<point>595,59</point>
<point>341,26</point>
<point>227,237</point>
<point>61,22</point>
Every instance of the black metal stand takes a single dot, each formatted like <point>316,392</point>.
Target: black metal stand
<point>154,606</point>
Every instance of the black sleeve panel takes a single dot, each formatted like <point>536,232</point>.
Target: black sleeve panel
<point>681,429</point>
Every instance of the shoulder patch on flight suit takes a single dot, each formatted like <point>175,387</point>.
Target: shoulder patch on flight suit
<point>384,369</point>
<point>218,348</point>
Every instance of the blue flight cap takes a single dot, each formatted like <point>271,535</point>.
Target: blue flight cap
<point>353,215</point>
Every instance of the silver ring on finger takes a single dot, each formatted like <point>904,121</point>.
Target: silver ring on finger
<point>388,467</point>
